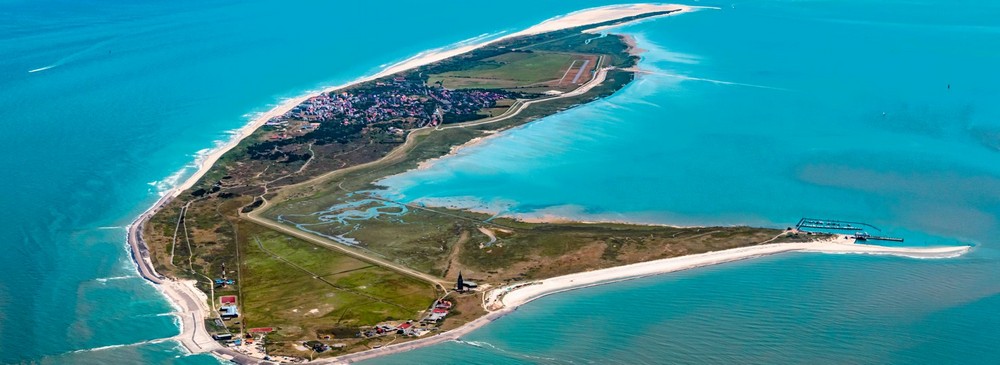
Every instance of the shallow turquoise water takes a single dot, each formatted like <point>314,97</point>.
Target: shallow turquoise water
<point>817,309</point>
<point>762,113</point>
<point>786,121</point>
<point>125,96</point>
<point>136,89</point>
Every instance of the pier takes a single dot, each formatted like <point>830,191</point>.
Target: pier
<point>864,236</point>
<point>833,224</point>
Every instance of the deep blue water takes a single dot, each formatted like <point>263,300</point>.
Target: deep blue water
<point>132,91</point>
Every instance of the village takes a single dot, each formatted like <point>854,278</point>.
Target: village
<point>396,99</point>
<point>253,341</point>
<point>287,295</point>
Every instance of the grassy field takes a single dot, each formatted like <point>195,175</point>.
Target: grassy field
<point>443,242</point>
<point>513,70</point>
<point>306,291</point>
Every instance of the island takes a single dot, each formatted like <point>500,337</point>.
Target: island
<point>282,248</point>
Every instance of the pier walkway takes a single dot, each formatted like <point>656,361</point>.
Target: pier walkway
<point>836,226</point>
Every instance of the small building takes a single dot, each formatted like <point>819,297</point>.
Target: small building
<point>227,300</point>
<point>229,312</point>
<point>317,346</point>
<point>404,328</point>
<point>461,285</point>
<point>221,282</point>
<point>222,336</point>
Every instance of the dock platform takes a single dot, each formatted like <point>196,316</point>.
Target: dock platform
<point>859,229</point>
<point>864,236</point>
<point>833,224</point>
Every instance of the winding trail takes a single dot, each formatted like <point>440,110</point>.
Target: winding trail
<point>321,277</point>
<point>506,300</point>
<point>489,233</point>
<point>191,303</point>
<point>393,156</point>
<point>437,282</point>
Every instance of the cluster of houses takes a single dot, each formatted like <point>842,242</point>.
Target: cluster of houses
<point>408,328</point>
<point>221,283</point>
<point>284,131</point>
<point>393,99</point>
<point>439,310</point>
<point>320,347</point>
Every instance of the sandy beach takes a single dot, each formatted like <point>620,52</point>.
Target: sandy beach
<point>504,300</point>
<point>508,297</point>
<point>191,303</point>
<point>575,19</point>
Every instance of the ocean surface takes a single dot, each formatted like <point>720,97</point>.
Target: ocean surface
<point>762,113</point>
<point>757,113</point>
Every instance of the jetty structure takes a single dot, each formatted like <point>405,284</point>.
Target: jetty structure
<point>189,297</point>
<point>859,229</point>
<point>833,224</point>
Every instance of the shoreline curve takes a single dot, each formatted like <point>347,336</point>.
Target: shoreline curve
<point>527,292</point>
<point>189,301</point>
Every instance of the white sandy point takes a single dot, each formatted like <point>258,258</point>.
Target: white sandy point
<point>524,294</point>
<point>575,19</point>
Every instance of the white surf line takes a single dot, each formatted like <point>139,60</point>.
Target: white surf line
<point>104,280</point>
<point>108,347</point>
<point>515,295</point>
<point>187,299</point>
<point>720,82</point>
<point>76,54</point>
<point>42,68</point>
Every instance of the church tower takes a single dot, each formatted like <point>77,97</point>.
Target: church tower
<point>460,285</point>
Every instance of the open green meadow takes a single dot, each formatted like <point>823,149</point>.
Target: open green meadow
<point>303,290</point>
<point>513,70</point>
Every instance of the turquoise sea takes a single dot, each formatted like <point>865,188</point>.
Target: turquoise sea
<point>128,94</point>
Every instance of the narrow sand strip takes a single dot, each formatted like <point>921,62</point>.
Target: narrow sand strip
<point>190,302</point>
<point>575,19</point>
<point>507,299</point>
<point>511,297</point>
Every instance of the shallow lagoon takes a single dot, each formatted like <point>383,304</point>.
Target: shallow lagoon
<point>762,113</point>
<point>138,89</point>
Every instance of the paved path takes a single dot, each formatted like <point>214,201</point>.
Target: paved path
<point>438,282</point>
<point>192,308</point>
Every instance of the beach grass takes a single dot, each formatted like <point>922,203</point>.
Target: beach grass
<point>511,70</point>
<point>304,290</point>
<point>307,291</point>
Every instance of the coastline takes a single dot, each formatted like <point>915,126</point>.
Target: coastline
<point>504,300</point>
<point>191,302</point>
<point>835,245</point>
<point>574,19</point>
